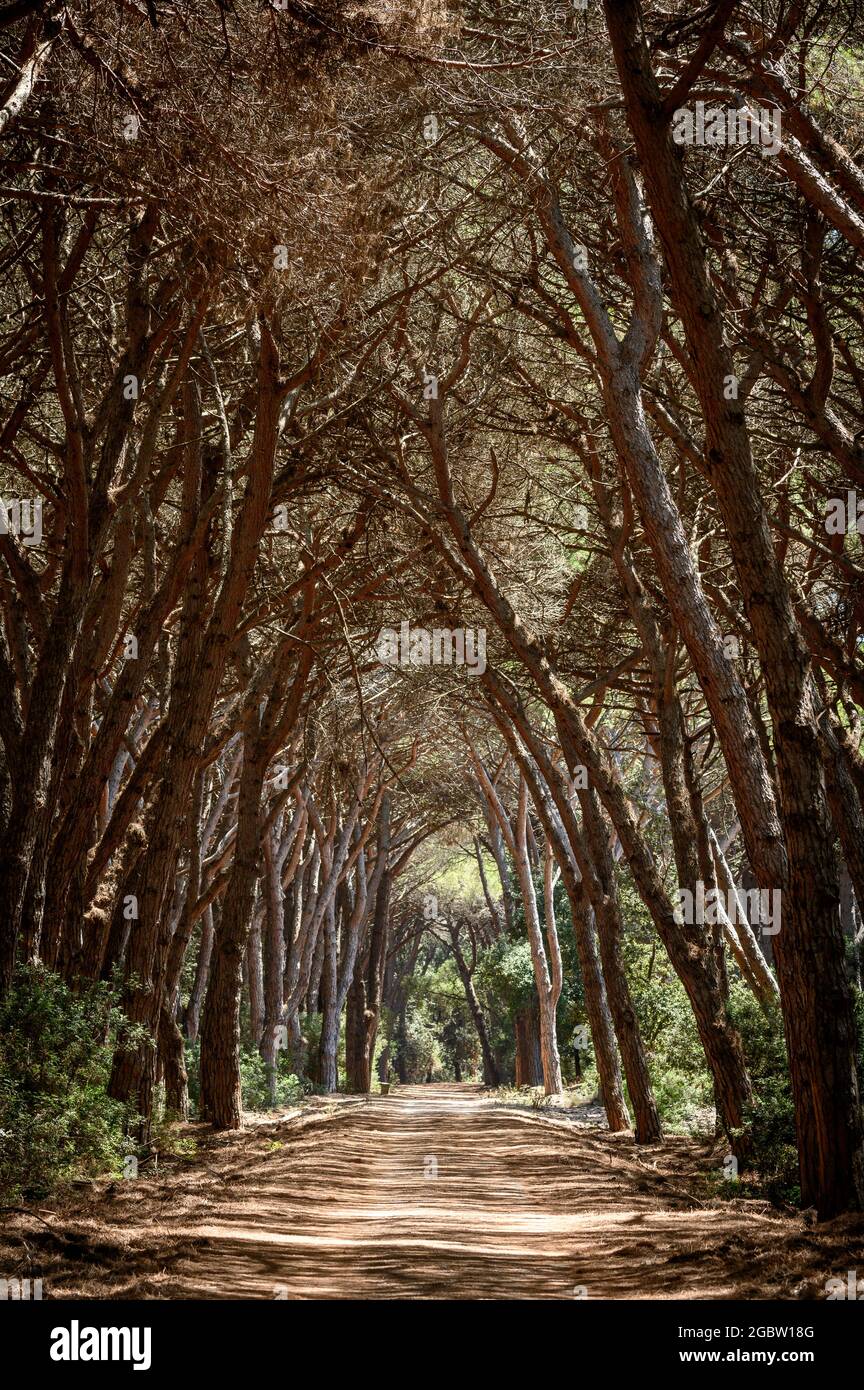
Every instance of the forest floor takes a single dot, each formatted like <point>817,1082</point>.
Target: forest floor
<point>432,1192</point>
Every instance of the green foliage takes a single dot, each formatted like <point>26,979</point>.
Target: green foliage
<point>254,1083</point>
<point>679,1076</point>
<point>56,1048</point>
<point>771,1117</point>
<point>440,1032</point>
<point>683,1099</point>
<point>505,971</point>
<point>254,1086</point>
<point>165,1138</point>
<point>419,1046</point>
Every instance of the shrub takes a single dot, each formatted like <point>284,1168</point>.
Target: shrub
<point>253,1083</point>
<point>253,1080</point>
<point>56,1048</point>
<point>684,1099</point>
<point>771,1117</point>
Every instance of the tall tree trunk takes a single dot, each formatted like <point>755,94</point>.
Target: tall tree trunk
<point>327,1070</point>
<point>194,686</point>
<point>529,1061</point>
<point>202,975</point>
<point>172,1059</point>
<point>378,944</point>
<point>221,1099</point>
<point>356,1060</point>
<point>255,978</point>
<point>220,1030</point>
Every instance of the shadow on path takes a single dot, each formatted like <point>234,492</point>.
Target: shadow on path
<point>432,1192</point>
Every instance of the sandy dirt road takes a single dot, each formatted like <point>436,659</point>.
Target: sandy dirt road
<point>434,1192</point>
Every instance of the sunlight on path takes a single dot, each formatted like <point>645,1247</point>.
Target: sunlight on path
<point>433,1193</point>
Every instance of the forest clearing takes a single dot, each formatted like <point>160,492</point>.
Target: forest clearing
<point>431,634</point>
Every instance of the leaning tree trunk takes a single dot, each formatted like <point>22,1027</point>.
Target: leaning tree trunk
<point>718,1036</point>
<point>490,1066</point>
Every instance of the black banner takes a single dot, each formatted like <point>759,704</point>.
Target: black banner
<point>160,1339</point>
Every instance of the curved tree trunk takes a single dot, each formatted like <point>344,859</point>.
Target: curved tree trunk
<point>490,1066</point>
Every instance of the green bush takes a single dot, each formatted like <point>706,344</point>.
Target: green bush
<point>253,1080</point>
<point>771,1117</point>
<point>253,1083</point>
<point>679,1074</point>
<point>419,1046</point>
<point>56,1048</point>
<point>684,1100</point>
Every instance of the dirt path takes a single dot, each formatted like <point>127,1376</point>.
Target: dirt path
<point>434,1192</point>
